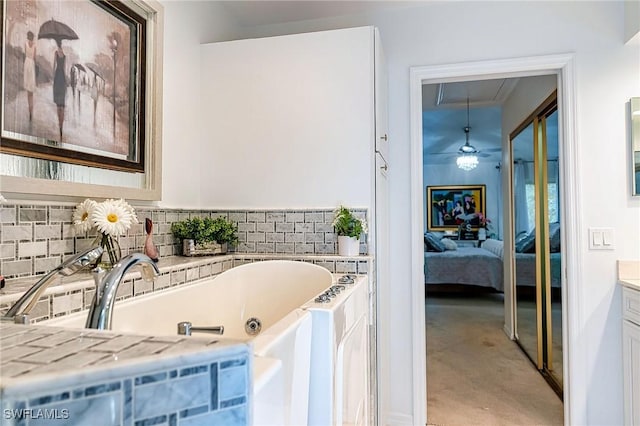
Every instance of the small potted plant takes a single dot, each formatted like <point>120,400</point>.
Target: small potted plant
<point>349,228</point>
<point>206,236</point>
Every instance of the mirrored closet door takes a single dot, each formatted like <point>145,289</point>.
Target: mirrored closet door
<point>536,203</point>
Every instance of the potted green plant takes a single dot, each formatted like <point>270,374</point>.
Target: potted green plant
<point>349,228</point>
<point>205,236</point>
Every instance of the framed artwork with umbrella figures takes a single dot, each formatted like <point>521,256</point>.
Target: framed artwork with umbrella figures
<point>73,76</point>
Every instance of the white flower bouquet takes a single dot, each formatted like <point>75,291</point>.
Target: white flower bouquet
<point>110,218</point>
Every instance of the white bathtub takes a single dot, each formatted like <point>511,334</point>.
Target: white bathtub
<point>272,291</point>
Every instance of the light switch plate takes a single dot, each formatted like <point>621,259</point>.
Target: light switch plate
<point>601,239</point>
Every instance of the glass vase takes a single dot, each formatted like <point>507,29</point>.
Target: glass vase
<point>112,252</point>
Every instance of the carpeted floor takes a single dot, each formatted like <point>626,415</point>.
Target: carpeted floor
<point>475,374</point>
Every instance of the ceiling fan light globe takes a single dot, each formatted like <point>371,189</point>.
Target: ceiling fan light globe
<point>467,162</point>
<point>467,149</point>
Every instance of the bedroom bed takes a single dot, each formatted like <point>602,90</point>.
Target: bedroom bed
<point>472,266</point>
<point>481,266</point>
<point>526,269</point>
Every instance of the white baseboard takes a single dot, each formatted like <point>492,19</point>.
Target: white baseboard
<point>508,332</point>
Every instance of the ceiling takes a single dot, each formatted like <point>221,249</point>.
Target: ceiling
<point>266,12</point>
<point>444,117</point>
<point>479,93</point>
<point>444,112</point>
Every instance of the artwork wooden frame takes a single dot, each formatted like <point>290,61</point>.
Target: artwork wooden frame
<point>448,206</point>
<point>96,116</point>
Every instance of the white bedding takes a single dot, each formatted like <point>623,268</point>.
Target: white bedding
<point>466,265</point>
<point>483,267</point>
<point>526,269</point>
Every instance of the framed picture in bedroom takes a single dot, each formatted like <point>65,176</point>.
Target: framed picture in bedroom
<point>73,85</point>
<point>449,206</point>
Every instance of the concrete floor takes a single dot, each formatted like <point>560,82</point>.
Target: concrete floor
<point>475,374</point>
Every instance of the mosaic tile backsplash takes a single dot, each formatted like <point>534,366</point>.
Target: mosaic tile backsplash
<point>36,238</point>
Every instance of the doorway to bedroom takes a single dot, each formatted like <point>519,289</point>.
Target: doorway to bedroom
<point>470,361</point>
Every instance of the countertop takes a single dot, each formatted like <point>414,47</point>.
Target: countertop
<point>629,273</point>
<point>78,376</point>
<point>39,352</point>
<point>632,284</point>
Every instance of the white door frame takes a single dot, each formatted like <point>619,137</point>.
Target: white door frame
<point>574,355</point>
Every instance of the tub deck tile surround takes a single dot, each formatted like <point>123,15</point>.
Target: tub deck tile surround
<point>181,380</point>
<point>75,293</point>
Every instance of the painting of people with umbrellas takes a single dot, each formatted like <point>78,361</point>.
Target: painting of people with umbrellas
<point>72,82</point>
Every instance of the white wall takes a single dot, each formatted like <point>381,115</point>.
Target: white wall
<point>287,122</point>
<point>187,24</point>
<point>607,76</point>
<point>632,21</point>
<point>528,94</point>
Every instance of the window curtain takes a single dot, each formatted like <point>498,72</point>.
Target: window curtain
<point>553,176</point>
<point>523,176</point>
<point>552,171</point>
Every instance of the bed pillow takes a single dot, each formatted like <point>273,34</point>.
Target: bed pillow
<point>432,243</point>
<point>494,246</point>
<point>449,244</point>
<point>527,244</point>
<point>554,237</point>
<point>438,235</point>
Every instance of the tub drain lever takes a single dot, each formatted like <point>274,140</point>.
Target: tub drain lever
<point>185,328</point>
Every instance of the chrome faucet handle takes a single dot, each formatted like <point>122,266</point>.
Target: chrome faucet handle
<point>66,268</point>
<point>185,328</point>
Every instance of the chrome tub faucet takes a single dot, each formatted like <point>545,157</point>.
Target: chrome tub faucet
<point>19,312</point>
<point>107,282</point>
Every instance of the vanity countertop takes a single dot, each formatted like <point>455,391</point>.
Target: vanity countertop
<point>629,273</point>
<point>632,284</point>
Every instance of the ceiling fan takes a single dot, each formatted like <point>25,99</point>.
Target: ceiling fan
<point>467,149</point>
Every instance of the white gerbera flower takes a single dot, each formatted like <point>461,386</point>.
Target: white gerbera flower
<point>131,210</point>
<point>82,216</point>
<point>111,218</point>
